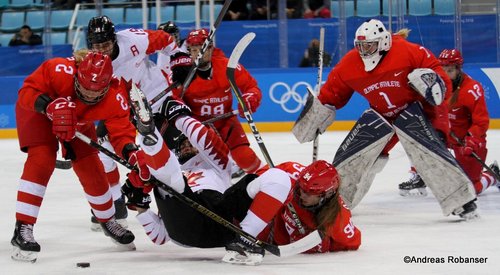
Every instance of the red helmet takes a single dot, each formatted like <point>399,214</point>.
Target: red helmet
<point>94,77</point>
<point>319,178</point>
<point>451,57</point>
<point>197,37</point>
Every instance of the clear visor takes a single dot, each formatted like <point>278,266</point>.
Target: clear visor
<point>366,48</point>
<point>89,96</point>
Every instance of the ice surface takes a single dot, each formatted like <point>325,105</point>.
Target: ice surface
<point>392,227</point>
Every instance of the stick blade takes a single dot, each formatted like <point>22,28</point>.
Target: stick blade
<point>239,49</point>
<point>302,245</point>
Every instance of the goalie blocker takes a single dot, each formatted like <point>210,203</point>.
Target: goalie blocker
<point>360,151</point>
<point>313,120</point>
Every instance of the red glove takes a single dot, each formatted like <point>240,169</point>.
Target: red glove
<point>252,102</point>
<point>139,177</point>
<point>472,144</point>
<point>62,112</point>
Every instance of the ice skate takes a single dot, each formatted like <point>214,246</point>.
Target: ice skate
<point>25,247</point>
<point>494,167</point>
<point>121,236</point>
<point>244,252</point>
<point>121,215</point>
<point>468,211</point>
<point>415,186</point>
<point>143,115</point>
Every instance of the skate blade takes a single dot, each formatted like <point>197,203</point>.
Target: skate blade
<point>233,257</point>
<point>471,216</point>
<point>419,192</point>
<point>24,256</point>
<point>95,227</point>
<point>125,247</point>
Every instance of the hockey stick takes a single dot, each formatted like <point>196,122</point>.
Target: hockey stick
<point>204,47</point>
<point>476,157</point>
<point>231,67</point>
<point>318,85</point>
<point>223,116</point>
<point>304,244</point>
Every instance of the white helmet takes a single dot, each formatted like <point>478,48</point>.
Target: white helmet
<point>372,39</point>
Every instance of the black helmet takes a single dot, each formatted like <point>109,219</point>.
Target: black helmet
<point>170,28</point>
<point>100,30</point>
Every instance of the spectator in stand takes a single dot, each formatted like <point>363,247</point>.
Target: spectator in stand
<point>259,10</point>
<point>25,36</point>
<point>316,9</point>
<point>238,10</point>
<point>311,56</point>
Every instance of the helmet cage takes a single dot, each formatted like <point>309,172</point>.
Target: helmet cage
<point>88,96</point>
<point>372,40</point>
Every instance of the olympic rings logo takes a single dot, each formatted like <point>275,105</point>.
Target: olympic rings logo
<point>288,97</point>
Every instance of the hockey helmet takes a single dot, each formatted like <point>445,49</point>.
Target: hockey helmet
<point>372,41</point>
<point>451,57</point>
<point>93,78</point>
<point>197,37</point>
<point>100,29</point>
<point>172,29</point>
<point>320,179</point>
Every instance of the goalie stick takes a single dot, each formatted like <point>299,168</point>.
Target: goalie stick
<point>318,85</point>
<point>231,67</point>
<point>302,245</point>
<point>204,47</point>
<point>474,155</point>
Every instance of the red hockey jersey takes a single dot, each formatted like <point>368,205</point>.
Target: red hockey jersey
<point>386,87</point>
<point>56,77</point>
<point>469,112</point>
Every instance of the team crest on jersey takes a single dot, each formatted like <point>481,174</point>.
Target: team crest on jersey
<point>193,177</point>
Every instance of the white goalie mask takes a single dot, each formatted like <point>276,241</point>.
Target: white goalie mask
<point>372,40</point>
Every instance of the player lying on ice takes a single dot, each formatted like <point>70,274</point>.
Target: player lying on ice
<point>293,198</point>
<point>405,87</point>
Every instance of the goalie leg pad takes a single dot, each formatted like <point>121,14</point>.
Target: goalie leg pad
<point>358,153</point>
<point>432,160</point>
<point>314,119</point>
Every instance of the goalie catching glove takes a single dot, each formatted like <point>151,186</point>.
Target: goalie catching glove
<point>428,84</point>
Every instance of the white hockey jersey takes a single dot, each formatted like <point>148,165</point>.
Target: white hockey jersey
<point>133,63</point>
<point>163,60</point>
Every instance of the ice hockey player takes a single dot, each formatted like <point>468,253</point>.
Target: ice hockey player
<point>62,96</point>
<point>209,95</point>
<point>469,120</point>
<point>129,51</point>
<point>405,87</point>
<point>253,201</point>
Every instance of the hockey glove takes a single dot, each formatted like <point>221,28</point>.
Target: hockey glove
<point>62,112</point>
<point>428,84</point>
<point>141,175</point>
<point>136,197</point>
<point>180,64</point>
<point>173,108</point>
<point>252,101</point>
<point>472,144</point>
